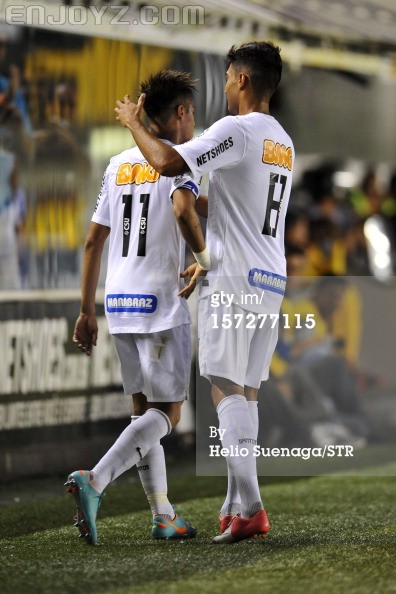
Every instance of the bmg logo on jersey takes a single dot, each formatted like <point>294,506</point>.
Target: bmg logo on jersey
<point>277,154</point>
<point>136,173</point>
<point>135,303</point>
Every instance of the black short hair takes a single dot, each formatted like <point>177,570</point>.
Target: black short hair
<point>166,90</point>
<point>262,61</point>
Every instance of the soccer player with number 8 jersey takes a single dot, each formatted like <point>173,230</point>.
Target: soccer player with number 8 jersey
<point>250,159</point>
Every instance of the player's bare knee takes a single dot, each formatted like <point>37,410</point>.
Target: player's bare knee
<point>174,419</point>
<point>174,413</point>
<point>171,409</point>
<point>250,393</point>
<point>222,387</point>
<point>139,404</point>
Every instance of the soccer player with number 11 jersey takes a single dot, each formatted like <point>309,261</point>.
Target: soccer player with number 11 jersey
<point>149,321</point>
<point>250,159</point>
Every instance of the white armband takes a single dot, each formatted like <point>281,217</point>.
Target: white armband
<point>203,259</point>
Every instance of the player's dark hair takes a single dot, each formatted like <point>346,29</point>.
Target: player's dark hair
<point>166,90</point>
<point>263,63</point>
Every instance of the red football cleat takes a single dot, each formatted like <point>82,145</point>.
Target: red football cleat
<point>225,521</point>
<point>242,528</point>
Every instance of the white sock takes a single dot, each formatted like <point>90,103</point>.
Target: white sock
<point>132,445</point>
<point>236,422</point>
<point>232,502</point>
<point>253,409</point>
<point>152,473</point>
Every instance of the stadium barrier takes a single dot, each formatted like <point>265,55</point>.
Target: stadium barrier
<point>58,408</point>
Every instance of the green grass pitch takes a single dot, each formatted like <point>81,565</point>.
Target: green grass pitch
<point>329,535</point>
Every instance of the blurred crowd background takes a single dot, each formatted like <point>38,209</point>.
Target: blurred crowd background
<point>57,133</point>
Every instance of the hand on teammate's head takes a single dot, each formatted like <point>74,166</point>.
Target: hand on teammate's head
<point>129,112</point>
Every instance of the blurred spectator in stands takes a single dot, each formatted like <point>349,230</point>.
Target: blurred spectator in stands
<point>303,356</point>
<point>57,218</point>
<point>65,101</point>
<point>24,254</point>
<point>52,99</point>
<point>301,409</point>
<point>336,306</point>
<point>325,244</point>
<point>357,263</point>
<point>282,423</point>
<point>296,263</point>
<point>39,89</point>
<point>392,193</point>
<point>12,213</point>
<point>298,284</point>
<point>297,228</point>
<point>326,251</point>
<point>388,202</point>
<point>327,206</point>
<point>330,349</point>
<point>12,94</point>
<point>389,211</point>
<point>368,199</point>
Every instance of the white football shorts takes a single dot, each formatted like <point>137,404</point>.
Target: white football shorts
<point>235,344</point>
<point>157,364</point>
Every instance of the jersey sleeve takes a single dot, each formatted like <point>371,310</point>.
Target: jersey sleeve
<point>101,213</point>
<point>185,182</point>
<point>221,145</point>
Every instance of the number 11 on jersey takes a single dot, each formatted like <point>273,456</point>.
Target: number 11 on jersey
<point>127,222</point>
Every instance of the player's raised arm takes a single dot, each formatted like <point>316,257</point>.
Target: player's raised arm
<point>160,155</point>
<point>220,146</point>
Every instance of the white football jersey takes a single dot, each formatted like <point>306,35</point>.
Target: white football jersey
<point>250,160</point>
<point>146,250</point>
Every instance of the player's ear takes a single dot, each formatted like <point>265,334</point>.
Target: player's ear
<point>243,80</point>
<point>180,111</point>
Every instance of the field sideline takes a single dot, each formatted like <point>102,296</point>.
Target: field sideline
<point>329,535</point>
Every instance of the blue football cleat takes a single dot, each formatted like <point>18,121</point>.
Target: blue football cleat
<point>172,529</point>
<point>88,502</point>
